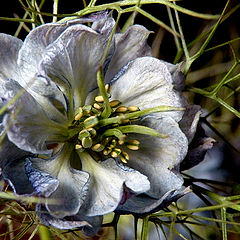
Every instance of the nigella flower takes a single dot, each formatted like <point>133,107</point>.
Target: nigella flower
<point>91,148</point>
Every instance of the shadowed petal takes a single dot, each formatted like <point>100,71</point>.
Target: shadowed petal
<point>89,225</point>
<point>43,183</point>
<point>197,149</point>
<point>143,204</point>
<point>146,82</point>
<point>159,158</point>
<point>128,46</point>
<point>107,182</point>
<point>72,187</point>
<point>12,160</point>
<point>190,120</point>
<point>28,126</point>
<point>9,48</point>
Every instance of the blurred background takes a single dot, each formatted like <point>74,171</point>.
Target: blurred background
<point>219,172</point>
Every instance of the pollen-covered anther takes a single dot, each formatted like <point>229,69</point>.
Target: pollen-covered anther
<point>99,99</point>
<point>107,88</point>
<point>114,103</point>
<point>120,142</point>
<point>78,147</point>
<point>92,131</point>
<point>121,109</point>
<point>97,147</point>
<point>87,142</point>
<point>90,122</point>
<point>84,133</point>
<point>133,144</point>
<point>97,106</point>
<point>124,157</point>
<point>133,108</point>
<point>115,152</point>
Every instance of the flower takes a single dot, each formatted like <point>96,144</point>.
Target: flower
<point>94,149</point>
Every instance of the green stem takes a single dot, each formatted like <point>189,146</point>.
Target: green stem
<point>100,81</point>
<point>44,233</point>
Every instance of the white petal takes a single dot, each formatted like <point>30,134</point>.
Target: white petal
<point>89,225</point>
<point>146,82</point>
<point>73,59</point>
<point>159,158</point>
<point>107,184</point>
<point>73,184</point>
<point>27,125</point>
<point>9,48</point>
<point>128,46</point>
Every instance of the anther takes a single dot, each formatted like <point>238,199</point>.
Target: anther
<point>114,103</point>
<point>133,142</point>
<point>133,108</point>
<point>90,122</point>
<point>124,157</point>
<point>120,142</point>
<point>97,106</point>
<point>121,109</point>
<point>84,133</point>
<point>97,147</point>
<point>133,147</point>
<point>99,99</point>
<point>115,152</point>
<point>86,142</point>
<point>92,131</point>
<point>107,88</point>
<point>87,109</point>
<point>78,147</point>
<point>78,116</point>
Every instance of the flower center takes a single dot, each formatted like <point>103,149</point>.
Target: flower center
<point>105,136</point>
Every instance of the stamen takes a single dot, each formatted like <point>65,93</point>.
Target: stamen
<point>84,133</point>
<point>107,88</point>
<point>78,116</point>
<point>121,109</point>
<point>114,103</point>
<point>133,108</point>
<point>115,152</point>
<point>99,99</point>
<point>124,157</point>
<point>97,106</point>
<point>87,142</point>
<point>97,147</point>
<point>78,146</point>
<point>90,122</point>
<point>133,147</point>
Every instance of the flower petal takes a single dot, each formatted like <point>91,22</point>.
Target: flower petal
<point>9,48</point>
<point>146,82</point>
<point>128,46</point>
<point>89,225</point>
<point>73,59</point>
<point>197,149</point>
<point>43,183</point>
<point>159,158</point>
<point>108,179</point>
<point>143,204</point>
<point>12,161</point>
<point>190,120</point>
<point>73,184</point>
<point>28,126</point>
